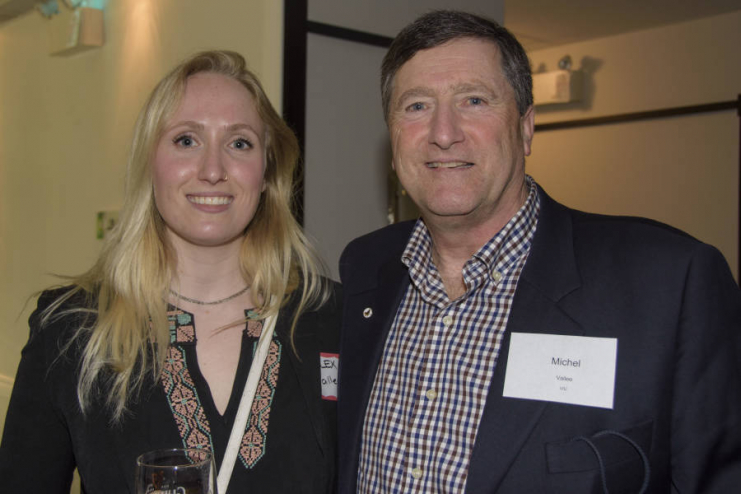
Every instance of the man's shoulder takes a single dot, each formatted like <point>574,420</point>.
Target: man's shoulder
<point>594,229</point>
<point>630,231</point>
<point>630,243</point>
<point>366,254</point>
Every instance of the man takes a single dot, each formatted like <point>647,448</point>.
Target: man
<point>505,343</point>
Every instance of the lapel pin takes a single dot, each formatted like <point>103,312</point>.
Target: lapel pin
<point>367,312</point>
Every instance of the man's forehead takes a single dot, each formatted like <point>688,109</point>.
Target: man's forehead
<point>457,65</point>
<point>487,48</point>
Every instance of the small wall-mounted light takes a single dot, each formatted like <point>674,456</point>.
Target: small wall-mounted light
<point>565,63</point>
<point>77,29</point>
<point>559,86</point>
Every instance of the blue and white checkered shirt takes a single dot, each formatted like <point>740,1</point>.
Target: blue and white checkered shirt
<point>431,387</point>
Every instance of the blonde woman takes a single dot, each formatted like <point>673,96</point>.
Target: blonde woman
<point>151,348</point>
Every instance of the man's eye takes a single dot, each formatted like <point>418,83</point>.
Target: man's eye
<point>416,107</point>
<point>475,100</point>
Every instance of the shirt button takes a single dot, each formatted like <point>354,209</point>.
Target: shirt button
<point>497,275</point>
<point>431,394</point>
<point>367,312</point>
<point>448,320</point>
<point>417,473</point>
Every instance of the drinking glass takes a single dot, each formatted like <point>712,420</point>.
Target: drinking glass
<point>176,471</point>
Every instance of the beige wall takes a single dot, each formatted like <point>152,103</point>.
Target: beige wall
<point>65,124</point>
<point>682,170</point>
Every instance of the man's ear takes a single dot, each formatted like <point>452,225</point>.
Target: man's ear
<point>527,128</point>
<point>394,133</point>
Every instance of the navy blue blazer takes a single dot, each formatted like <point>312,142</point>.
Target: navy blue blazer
<point>675,310</point>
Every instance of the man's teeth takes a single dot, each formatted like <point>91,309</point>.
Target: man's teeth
<point>447,164</point>
<point>211,201</point>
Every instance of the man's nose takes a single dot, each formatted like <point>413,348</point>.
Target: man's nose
<point>445,129</point>
<point>212,168</point>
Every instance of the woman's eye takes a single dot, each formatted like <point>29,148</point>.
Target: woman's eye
<point>185,141</point>
<point>242,144</point>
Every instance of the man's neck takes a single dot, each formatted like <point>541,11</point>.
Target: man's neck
<point>451,249</point>
<point>456,239</point>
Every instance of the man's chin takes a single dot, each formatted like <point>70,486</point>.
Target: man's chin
<point>447,214</point>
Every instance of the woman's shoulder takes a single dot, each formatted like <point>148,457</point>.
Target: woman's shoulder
<point>334,288</point>
<point>330,306</point>
<point>321,318</point>
<point>61,308</point>
<point>327,296</point>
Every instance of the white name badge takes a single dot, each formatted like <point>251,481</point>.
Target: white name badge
<point>578,370</point>
<point>328,365</point>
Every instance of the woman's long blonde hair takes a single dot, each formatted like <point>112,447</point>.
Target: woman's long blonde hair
<point>127,287</point>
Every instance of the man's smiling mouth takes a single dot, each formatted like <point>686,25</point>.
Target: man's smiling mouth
<point>448,164</point>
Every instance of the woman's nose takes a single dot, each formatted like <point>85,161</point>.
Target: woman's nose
<point>212,168</point>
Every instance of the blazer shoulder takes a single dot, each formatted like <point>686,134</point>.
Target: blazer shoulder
<point>641,248</point>
<point>365,255</point>
<point>572,248</point>
<point>611,230</point>
<point>633,233</point>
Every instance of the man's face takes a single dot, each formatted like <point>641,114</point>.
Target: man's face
<point>459,143</point>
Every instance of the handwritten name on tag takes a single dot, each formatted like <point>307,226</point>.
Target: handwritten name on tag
<point>328,364</point>
<point>578,370</point>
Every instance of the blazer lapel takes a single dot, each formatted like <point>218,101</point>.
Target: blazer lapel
<point>368,316</point>
<point>550,275</point>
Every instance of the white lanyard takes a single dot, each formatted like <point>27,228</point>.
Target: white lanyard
<point>245,405</point>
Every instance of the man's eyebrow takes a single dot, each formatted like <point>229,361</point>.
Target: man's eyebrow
<point>464,87</point>
<point>415,92</point>
<point>468,87</point>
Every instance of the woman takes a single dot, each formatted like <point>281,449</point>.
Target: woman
<point>151,348</point>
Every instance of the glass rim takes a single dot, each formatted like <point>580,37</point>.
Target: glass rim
<point>149,459</point>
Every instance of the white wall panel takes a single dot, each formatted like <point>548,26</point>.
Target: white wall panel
<point>347,152</point>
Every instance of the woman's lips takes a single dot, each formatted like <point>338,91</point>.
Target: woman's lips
<point>210,200</point>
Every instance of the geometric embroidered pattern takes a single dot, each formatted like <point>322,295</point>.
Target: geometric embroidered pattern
<point>185,404</point>
<point>255,436</point>
<point>180,389</point>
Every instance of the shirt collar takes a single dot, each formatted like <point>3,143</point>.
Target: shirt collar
<point>507,245</point>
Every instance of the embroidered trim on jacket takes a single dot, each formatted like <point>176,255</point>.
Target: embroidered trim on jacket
<point>179,387</point>
<point>182,395</point>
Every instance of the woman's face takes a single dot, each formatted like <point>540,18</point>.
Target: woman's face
<point>209,164</point>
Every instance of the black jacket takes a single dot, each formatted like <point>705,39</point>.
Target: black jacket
<point>46,436</point>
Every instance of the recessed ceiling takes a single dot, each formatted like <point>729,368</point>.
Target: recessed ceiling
<point>542,24</point>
